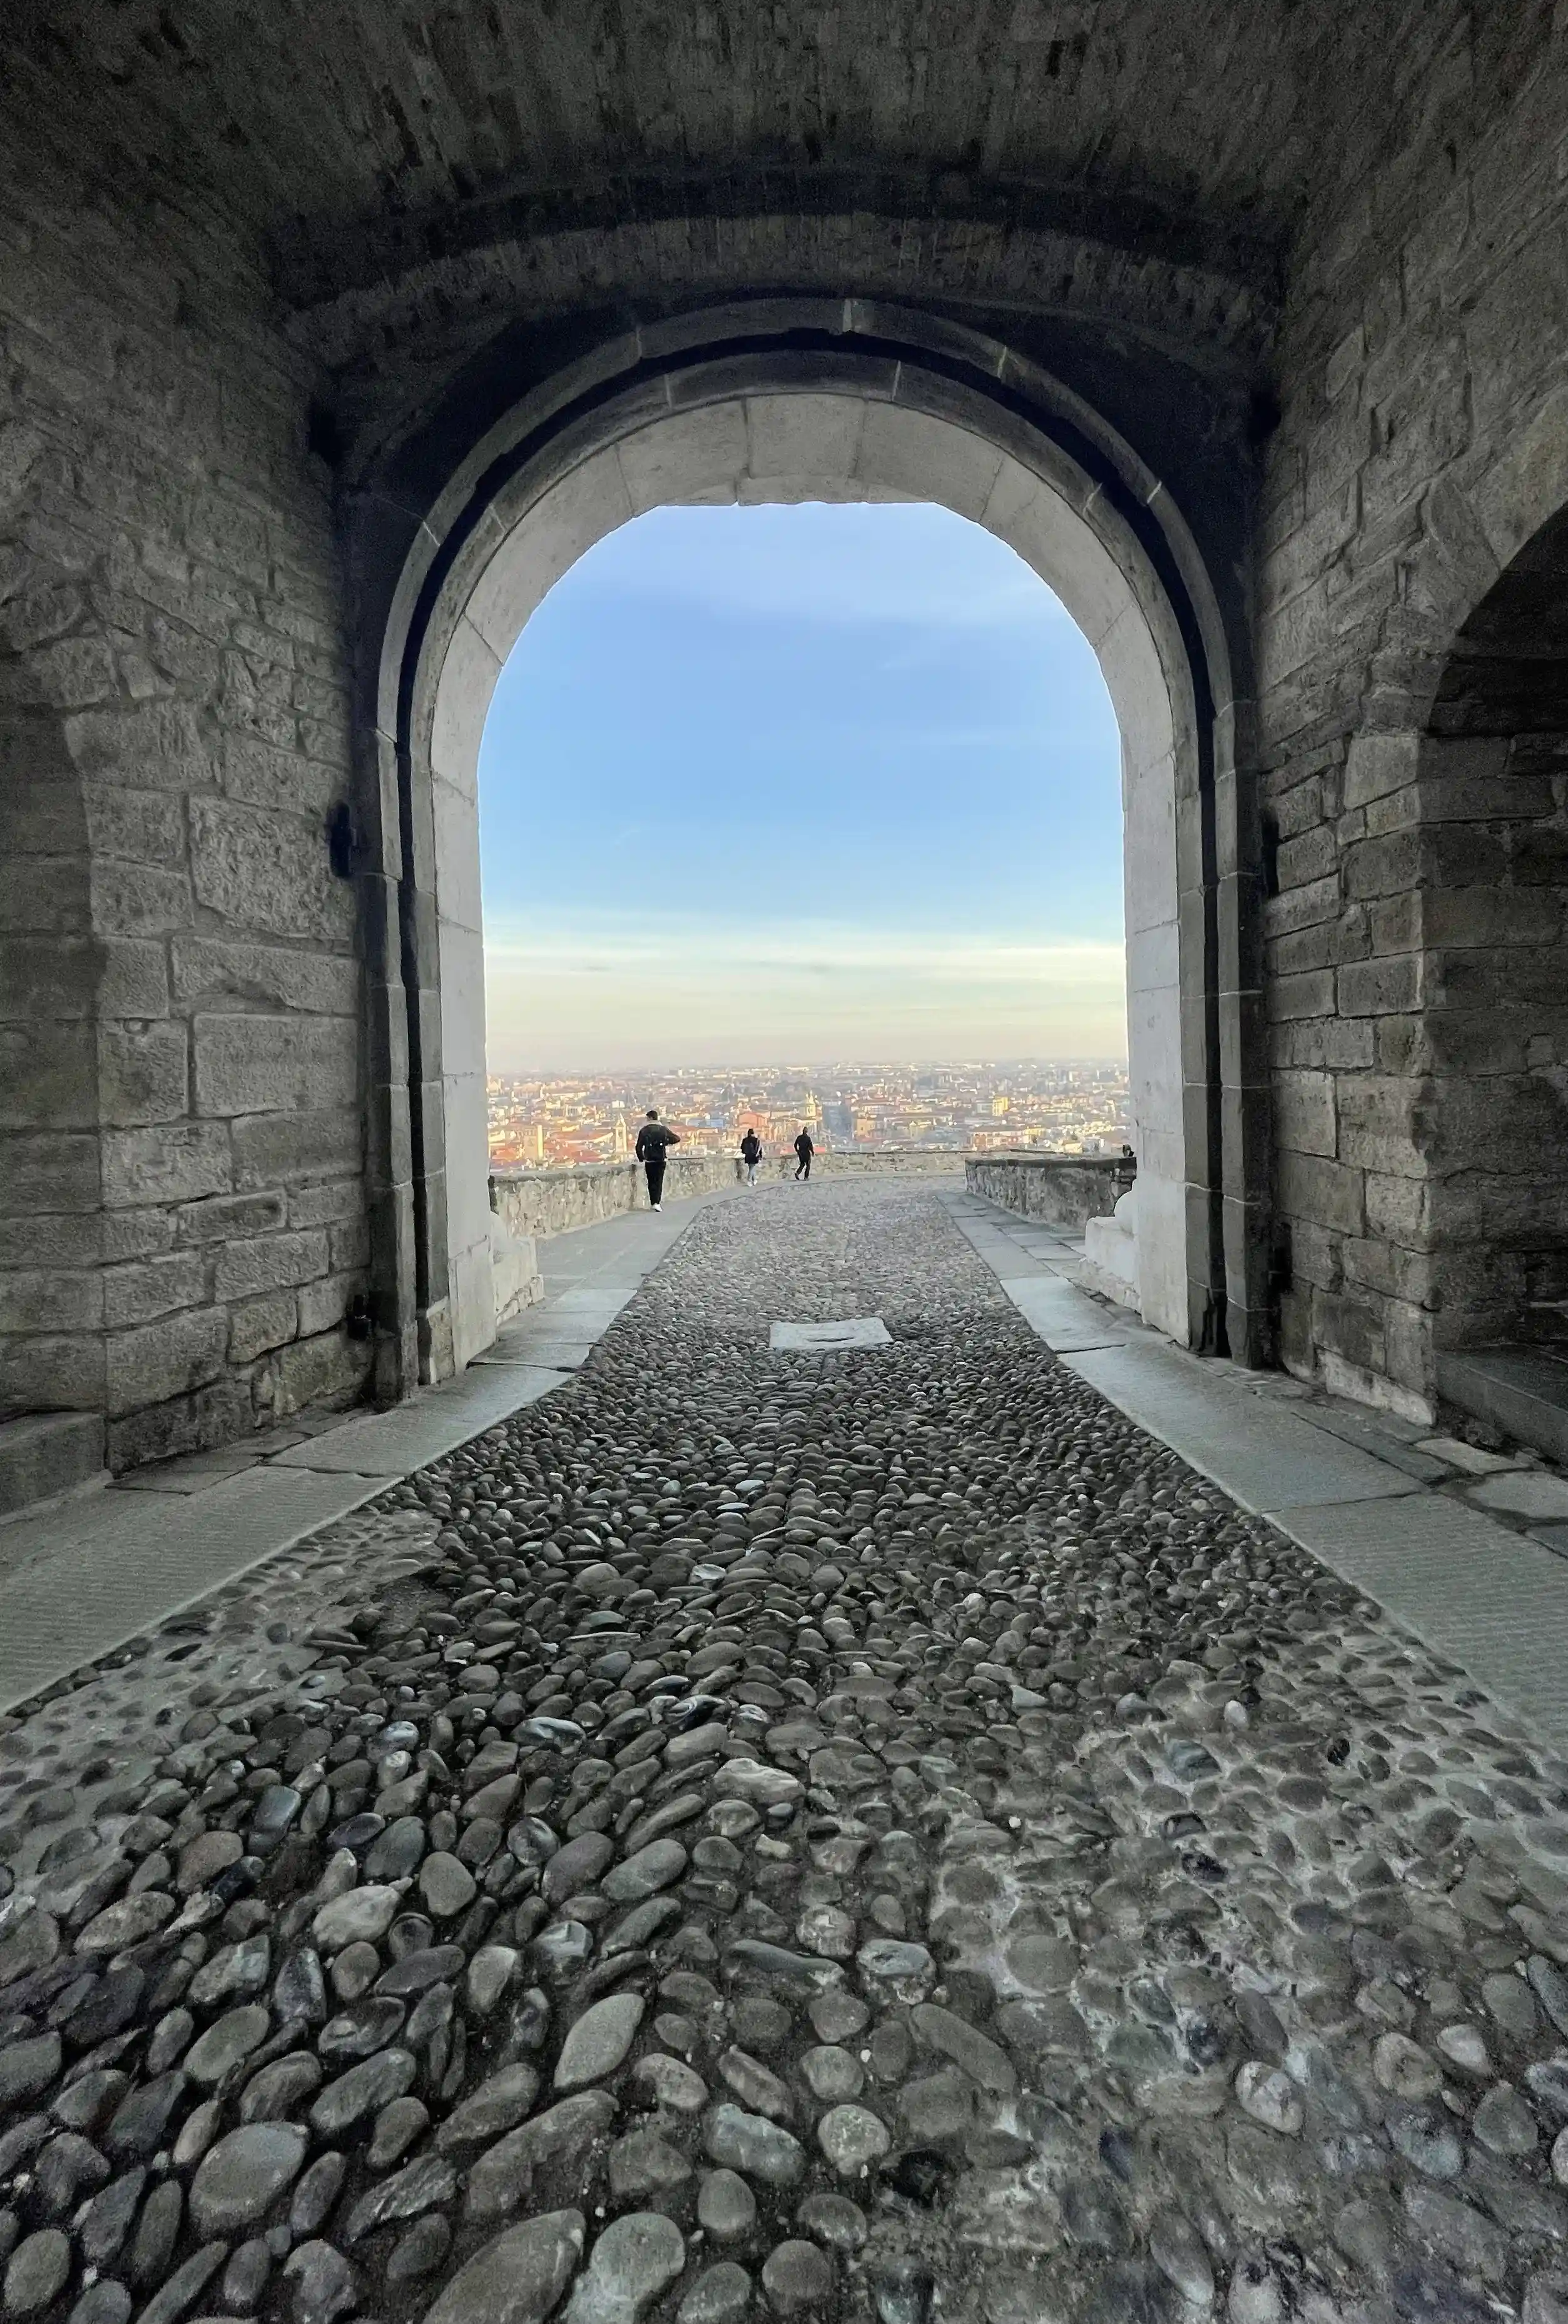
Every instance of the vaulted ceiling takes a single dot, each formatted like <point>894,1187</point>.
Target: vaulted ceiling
<point>415,176</point>
<point>362,134</point>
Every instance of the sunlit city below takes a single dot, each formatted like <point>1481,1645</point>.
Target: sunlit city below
<point>1073,1106</point>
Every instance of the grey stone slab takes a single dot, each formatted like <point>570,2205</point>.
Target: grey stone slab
<point>1532,1493</point>
<point>48,1452</point>
<point>198,1472</point>
<point>554,1355</point>
<point>848,1331</point>
<point>559,1282</point>
<point>394,1443</point>
<point>1523,1391</point>
<point>1359,1428</point>
<point>1064,1318</point>
<point>1492,1601</point>
<point>1005,1258</point>
<point>597,1305</point>
<point>1554,1537</point>
<point>1455,1454</point>
<point>583,1327</point>
<point>1278,1384</point>
<point>1391,1424</point>
<point>314,1424</point>
<point>99,1571</point>
<point>1261,1453</point>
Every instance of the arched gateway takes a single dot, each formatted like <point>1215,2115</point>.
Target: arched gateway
<point>816,402</point>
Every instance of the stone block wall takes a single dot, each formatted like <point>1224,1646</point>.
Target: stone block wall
<point>1414,920</point>
<point>893,1161</point>
<point>182,1221</point>
<point>1060,1190</point>
<point>542,1202</point>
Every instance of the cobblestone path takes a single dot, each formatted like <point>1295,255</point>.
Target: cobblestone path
<point>830,1836</point>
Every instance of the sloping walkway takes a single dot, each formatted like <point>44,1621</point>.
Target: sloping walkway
<point>823,1832</point>
<point>90,1572</point>
<point>1379,1500</point>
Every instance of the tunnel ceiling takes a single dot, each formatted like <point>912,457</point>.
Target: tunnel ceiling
<point>1096,183</point>
<point>363,141</point>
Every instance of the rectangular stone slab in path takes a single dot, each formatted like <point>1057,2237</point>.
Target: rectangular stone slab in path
<point>818,1338</point>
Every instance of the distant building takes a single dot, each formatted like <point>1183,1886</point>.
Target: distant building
<point>519,1144</point>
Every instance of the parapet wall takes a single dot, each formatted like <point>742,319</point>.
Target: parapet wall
<point>1065,1190</point>
<point>541,1203</point>
<point>552,1202</point>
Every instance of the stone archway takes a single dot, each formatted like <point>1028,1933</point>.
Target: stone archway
<point>756,420</point>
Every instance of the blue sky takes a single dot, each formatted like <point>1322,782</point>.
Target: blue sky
<point>816,782</point>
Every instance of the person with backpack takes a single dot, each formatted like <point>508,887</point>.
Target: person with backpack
<point>804,1150</point>
<point>750,1155</point>
<point>653,1144</point>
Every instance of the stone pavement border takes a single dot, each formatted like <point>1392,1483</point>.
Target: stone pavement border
<point>1344,1485</point>
<point>83,1576</point>
<point>113,1563</point>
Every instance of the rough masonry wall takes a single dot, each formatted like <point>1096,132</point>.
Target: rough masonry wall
<point>1424,441</point>
<point>181,1214</point>
<point>1494,929</point>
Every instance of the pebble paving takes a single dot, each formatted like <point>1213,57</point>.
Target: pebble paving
<point>863,1834</point>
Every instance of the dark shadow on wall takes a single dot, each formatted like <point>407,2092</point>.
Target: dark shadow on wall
<point>51,973</point>
<point>1493,805</point>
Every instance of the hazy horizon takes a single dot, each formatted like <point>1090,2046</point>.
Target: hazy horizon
<point>818,780</point>
<point>775,1065</point>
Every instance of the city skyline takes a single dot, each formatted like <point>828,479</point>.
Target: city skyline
<point>818,780</point>
<point>975,1105</point>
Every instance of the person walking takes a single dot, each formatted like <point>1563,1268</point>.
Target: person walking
<point>750,1155</point>
<point>653,1144</point>
<point>804,1150</point>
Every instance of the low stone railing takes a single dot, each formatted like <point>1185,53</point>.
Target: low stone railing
<point>1064,1190</point>
<point>553,1202</point>
<point>901,1161</point>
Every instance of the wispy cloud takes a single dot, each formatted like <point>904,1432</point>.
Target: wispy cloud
<point>914,567</point>
<point>627,943</point>
<point>630,994</point>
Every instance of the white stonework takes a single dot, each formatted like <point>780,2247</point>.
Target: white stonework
<point>789,447</point>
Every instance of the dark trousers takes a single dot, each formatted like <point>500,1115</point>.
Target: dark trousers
<point>655,1181</point>
<point>802,1168</point>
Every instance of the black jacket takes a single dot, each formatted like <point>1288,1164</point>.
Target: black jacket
<point>803,1145</point>
<point>653,1141</point>
<point>750,1147</point>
